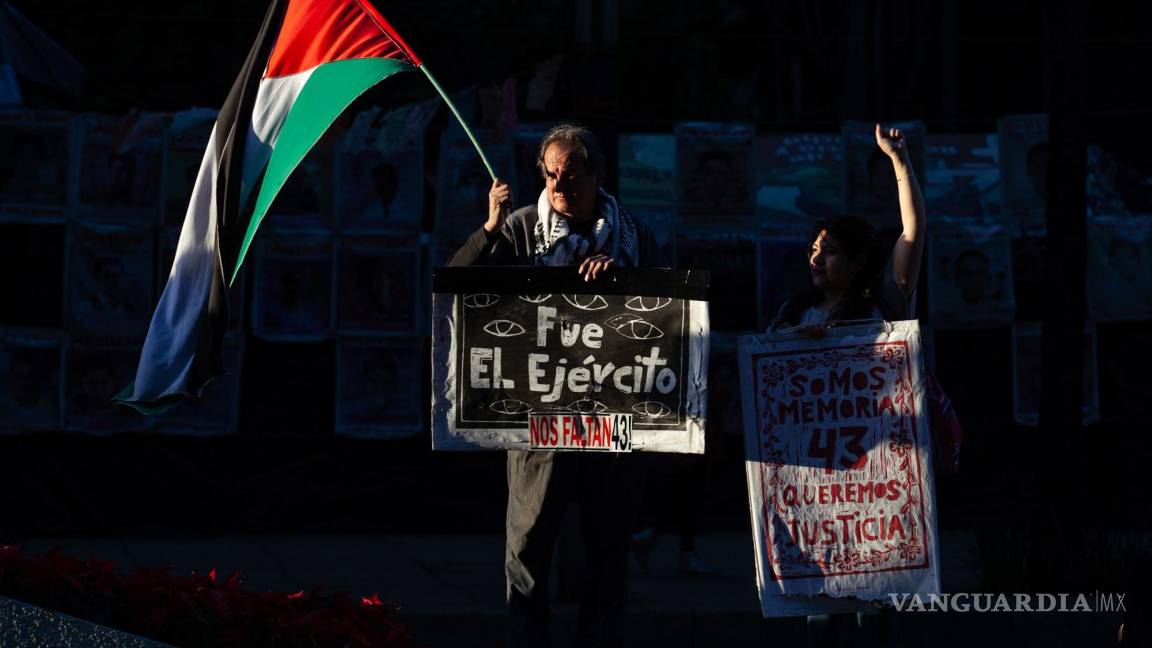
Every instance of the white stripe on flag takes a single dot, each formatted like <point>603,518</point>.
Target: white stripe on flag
<point>170,347</point>
<point>274,98</point>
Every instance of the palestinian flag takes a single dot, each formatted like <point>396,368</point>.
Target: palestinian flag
<point>310,61</point>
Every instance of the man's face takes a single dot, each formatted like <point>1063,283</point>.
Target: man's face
<point>571,187</point>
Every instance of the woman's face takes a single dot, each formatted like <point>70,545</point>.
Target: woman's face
<point>832,270</point>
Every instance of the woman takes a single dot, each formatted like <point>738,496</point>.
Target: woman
<point>850,280</point>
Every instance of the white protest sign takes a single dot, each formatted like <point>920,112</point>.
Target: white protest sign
<point>839,466</point>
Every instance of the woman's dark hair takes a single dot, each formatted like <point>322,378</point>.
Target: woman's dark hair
<point>858,241</point>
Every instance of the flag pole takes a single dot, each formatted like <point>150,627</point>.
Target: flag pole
<point>452,107</point>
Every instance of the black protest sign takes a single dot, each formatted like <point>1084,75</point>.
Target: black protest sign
<point>513,342</point>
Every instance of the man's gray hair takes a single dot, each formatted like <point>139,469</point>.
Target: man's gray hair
<point>580,141</point>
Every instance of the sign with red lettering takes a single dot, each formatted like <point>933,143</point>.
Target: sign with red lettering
<point>539,359</point>
<point>588,432</point>
<point>839,467</point>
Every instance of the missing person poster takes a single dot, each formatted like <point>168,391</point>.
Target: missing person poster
<point>536,358</point>
<point>970,282</point>
<point>839,468</point>
<point>121,167</point>
<point>962,178</point>
<point>798,178</point>
<point>379,392</point>
<point>1024,168</point>
<point>30,365</point>
<point>34,169</point>
<point>713,164</point>
<point>1120,268</point>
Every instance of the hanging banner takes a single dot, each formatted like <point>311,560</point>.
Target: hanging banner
<point>839,467</point>
<point>538,358</point>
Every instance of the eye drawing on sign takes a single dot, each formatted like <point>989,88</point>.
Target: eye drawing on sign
<point>587,406</point>
<point>587,302</point>
<point>503,328</point>
<point>480,300</point>
<point>652,409</point>
<point>535,299</point>
<point>634,327</point>
<point>647,304</point>
<point>510,406</point>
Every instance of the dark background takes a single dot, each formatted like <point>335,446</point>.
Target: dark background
<point>636,67</point>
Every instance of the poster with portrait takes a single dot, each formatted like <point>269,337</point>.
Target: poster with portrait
<point>962,178</point>
<point>30,364</point>
<point>463,182</point>
<point>305,201</point>
<point>93,375</point>
<point>970,278</point>
<point>1120,268</point>
<point>120,167</point>
<point>783,270</point>
<point>34,169</point>
<point>217,410</point>
<point>1024,168</point>
<point>379,286</point>
<point>188,134</point>
<point>379,387</point>
<point>870,181</point>
<point>388,130</point>
<point>714,169</point>
<point>376,191</point>
<point>379,169</point>
<point>647,179</point>
<point>538,358</point>
<point>839,467</point>
<point>1027,374</point>
<point>798,178</point>
<point>110,282</point>
<point>292,289</point>
<point>730,257</point>
<point>1102,194</point>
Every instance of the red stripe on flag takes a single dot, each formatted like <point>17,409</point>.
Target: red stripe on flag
<point>315,32</point>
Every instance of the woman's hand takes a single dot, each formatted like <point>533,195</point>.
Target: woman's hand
<point>892,142</point>
<point>499,197</point>
<point>594,265</point>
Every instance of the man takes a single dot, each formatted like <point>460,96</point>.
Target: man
<point>573,223</point>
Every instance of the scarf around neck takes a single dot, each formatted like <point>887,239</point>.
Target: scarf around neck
<point>613,233</point>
